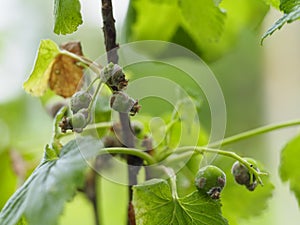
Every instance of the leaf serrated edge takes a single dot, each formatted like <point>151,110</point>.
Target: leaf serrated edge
<point>286,18</point>
<point>11,214</point>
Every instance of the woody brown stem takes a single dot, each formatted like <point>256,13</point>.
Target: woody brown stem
<point>127,134</point>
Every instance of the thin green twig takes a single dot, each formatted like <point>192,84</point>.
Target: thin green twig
<point>252,133</point>
<point>129,151</point>
<point>202,150</point>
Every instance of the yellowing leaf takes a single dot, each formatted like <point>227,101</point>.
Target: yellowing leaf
<point>56,70</point>
<point>37,82</point>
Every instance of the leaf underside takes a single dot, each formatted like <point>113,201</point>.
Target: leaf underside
<point>291,9</point>
<point>42,197</point>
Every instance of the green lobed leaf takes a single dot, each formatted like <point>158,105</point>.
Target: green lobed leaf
<point>67,16</point>
<point>154,203</point>
<point>289,166</point>
<point>37,82</point>
<point>42,197</point>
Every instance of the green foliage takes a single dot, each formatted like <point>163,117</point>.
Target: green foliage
<point>274,3</point>
<point>208,28</point>
<point>155,203</point>
<point>289,166</point>
<point>43,195</point>
<point>20,120</point>
<point>67,16</point>
<point>183,17</point>
<point>203,20</point>
<point>37,83</point>
<point>287,6</point>
<point>291,9</point>
<point>22,221</point>
<point>7,176</point>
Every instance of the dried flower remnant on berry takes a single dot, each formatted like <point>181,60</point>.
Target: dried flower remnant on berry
<point>243,176</point>
<point>65,124</point>
<point>135,108</point>
<point>121,102</point>
<point>114,77</point>
<point>210,180</point>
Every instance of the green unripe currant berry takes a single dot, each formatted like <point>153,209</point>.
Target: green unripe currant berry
<point>80,100</point>
<point>210,180</point>
<point>242,175</point>
<point>78,122</point>
<point>85,112</point>
<point>121,102</point>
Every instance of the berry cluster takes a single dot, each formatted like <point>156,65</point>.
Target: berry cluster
<point>211,180</point>
<point>80,103</point>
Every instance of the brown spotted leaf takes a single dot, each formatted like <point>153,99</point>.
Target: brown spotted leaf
<point>72,46</point>
<point>55,69</point>
<point>65,76</point>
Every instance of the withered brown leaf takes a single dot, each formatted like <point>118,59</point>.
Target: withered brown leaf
<point>66,75</point>
<point>72,46</point>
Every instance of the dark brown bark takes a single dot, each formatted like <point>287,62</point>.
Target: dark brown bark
<point>111,46</point>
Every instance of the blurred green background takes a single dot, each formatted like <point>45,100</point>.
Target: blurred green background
<point>261,85</point>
